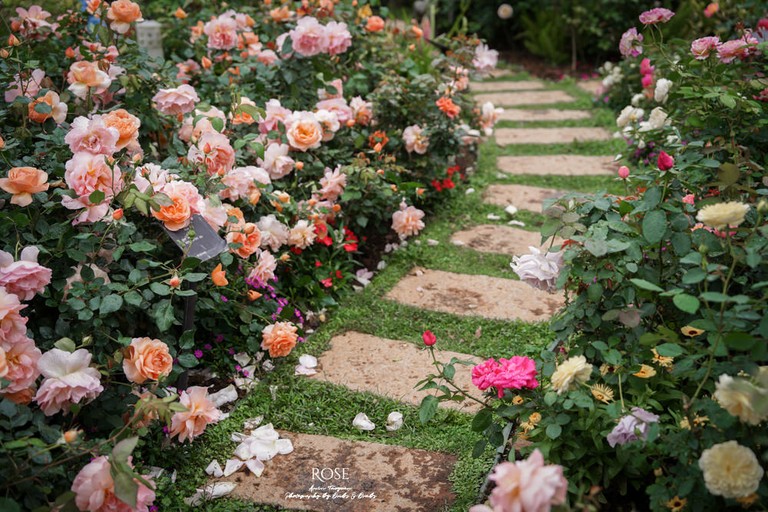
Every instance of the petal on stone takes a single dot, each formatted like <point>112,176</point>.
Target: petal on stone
<point>232,466</point>
<point>255,466</point>
<point>224,396</point>
<point>214,469</point>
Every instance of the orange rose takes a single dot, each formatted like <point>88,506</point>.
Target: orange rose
<point>22,182</point>
<point>280,14</point>
<point>122,13</point>
<point>219,277</point>
<point>58,109</point>
<point>147,359</point>
<point>180,14</point>
<point>249,238</point>
<point>127,124</point>
<point>279,339</point>
<point>447,106</point>
<point>175,216</point>
<point>22,397</point>
<point>374,24</point>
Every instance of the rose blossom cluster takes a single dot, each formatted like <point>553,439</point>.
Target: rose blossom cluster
<point>519,372</point>
<point>229,31</point>
<point>310,37</point>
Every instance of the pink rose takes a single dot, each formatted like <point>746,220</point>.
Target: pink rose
<point>631,44</point>
<point>309,37</point>
<point>338,106</point>
<point>68,380</point>
<point>25,87</point>
<point>264,270</point>
<point>484,375</point>
<point>94,490</point>
<point>200,413</point>
<point>623,172</point>
<point>241,182</point>
<point>188,191</point>
<point>689,199</point>
<point>339,38</point>
<point>407,221</point>
<point>333,183</point>
<point>175,102</point>
<point>337,84</point>
<point>221,32</point>
<point>528,485</point>
<point>485,59</point>
<point>362,110</point>
<point>303,131</point>
<point>22,357</point>
<point>701,48</point>
<point>729,51</point>
<point>92,136</point>
<point>85,173</point>
<point>13,326</point>
<point>665,161</point>
<point>214,151</point>
<point>657,15</point>
<point>274,113</point>
<point>276,161</point>
<point>273,232</point>
<point>25,277</point>
<point>516,373</point>
<point>84,76</point>
<point>414,140</point>
<point>267,57</point>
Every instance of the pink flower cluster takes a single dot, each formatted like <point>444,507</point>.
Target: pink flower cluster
<point>655,16</point>
<point>631,44</point>
<point>519,372</point>
<point>646,73</point>
<point>310,38</point>
<point>94,489</point>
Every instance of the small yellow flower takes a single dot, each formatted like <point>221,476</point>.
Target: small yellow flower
<point>658,472</point>
<point>677,504</point>
<point>534,418</point>
<point>663,361</point>
<point>602,393</point>
<point>517,400</point>
<point>691,332</point>
<point>607,368</point>
<point>646,372</point>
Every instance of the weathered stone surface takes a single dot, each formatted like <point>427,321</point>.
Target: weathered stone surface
<point>522,98</point>
<point>390,368</point>
<point>475,295</point>
<point>544,114</point>
<point>520,85</point>
<point>498,239</point>
<point>507,136</point>
<point>379,478</point>
<point>591,86</point>
<point>558,165</point>
<point>523,197</point>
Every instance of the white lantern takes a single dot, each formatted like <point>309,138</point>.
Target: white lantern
<point>149,37</point>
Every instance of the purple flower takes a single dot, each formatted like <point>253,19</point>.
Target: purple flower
<point>224,299</point>
<point>207,346</point>
<point>538,270</point>
<point>632,427</point>
<point>631,44</point>
<point>657,15</point>
<point>199,354</point>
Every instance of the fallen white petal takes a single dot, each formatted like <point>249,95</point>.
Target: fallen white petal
<point>419,272</point>
<point>457,243</point>
<point>470,190</point>
<point>214,469</point>
<point>516,223</point>
<point>303,370</point>
<point>232,466</point>
<point>155,472</point>
<point>308,361</point>
<point>252,423</point>
<point>394,421</point>
<point>381,265</point>
<point>255,466</point>
<point>268,365</point>
<point>432,243</point>
<point>223,416</point>
<point>211,492</point>
<point>511,209</point>
<point>492,216</point>
<point>224,396</point>
<point>362,422</point>
<point>242,358</point>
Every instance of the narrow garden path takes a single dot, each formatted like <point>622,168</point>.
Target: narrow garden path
<point>454,280</point>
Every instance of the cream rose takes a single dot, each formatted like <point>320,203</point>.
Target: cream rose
<point>722,215</point>
<point>730,470</point>
<point>739,396</point>
<point>573,370</point>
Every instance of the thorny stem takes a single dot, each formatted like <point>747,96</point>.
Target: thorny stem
<point>449,381</point>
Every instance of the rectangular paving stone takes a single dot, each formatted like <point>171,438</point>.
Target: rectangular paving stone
<point>498,239</point>
<point>521,196</point>
<point>523,98</point>
<point>520,85</point>
<point>371,477</point>
<point>475,295</point>
<point>558,165</point>
<point>390,368</point>
<point>544,114</point>
<point>507,136</point>
<point>591,86</point>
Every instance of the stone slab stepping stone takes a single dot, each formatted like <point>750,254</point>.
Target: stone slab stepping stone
<point>507,136</point>
<point>390,368</point>
<point>475,295</point>
<point>522,196</point>
<point>521,85</point>
<point>591,86</point>
<point>544,114</point>
<point>523,98</point>
<point>373,477</point>
<point>498,239</point>
<point>558,165</point>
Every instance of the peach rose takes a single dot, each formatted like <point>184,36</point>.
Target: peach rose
<point>281,14</point>
<point>121,14</point>
<point>22,182</point>
<point>175,216</point>
<point>58,109</point>
<point>69,379</point>
<point>3,364</point>
<point>145,359</point>
<point>199,414</point>
<point>84,75</point>
<point>178,101</point>
<point>25,277</point>
<point>374,24</point>
<point>94,489</point>
<point>221,32</point>
<point>22,357</point>
<point>13,326</point>
<point>214,151</point>
<point>125,123</point>
<point>249,238</point>
<point>279,338</point>
<point>407,221</point>
<point>304,131</point>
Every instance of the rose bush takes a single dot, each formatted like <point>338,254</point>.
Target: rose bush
<point>274,140</point>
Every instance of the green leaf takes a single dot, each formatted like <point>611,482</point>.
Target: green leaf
<point>65,344</point>
<point>123,449</point>
<point>654,226</point>
<point>188,360</point>
<point>428,408</point>
<point>160,288</point>
<point>126,488</point>
<point>550,398</point>
<point>739,341</point>
<point>8,505</point>
<point>669,350</point>
<point>645,285</point>
<point>143,246</point>
<point>449,371</point>
<point>164,315</point>
<point>554,430</point>
<point>479,448</point>
<point>110,304</point>
<point>96,197</point>
<point>133,298</point>
<point>687,303</point>
<point>482,420</point>
<point>43,108</point>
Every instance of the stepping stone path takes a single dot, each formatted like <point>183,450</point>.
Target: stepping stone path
<point>380,478</point>
<point>521,196</point>
<point>498,239</point>
<point>507,136</point>
<point>521,85</point>
<point>543,114</point>
<point>558,165</point>
<point>475,295</point>
<point>384,478</point>
<point>390,368</point>
<point>524,98</point>
<point>591,86</point>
